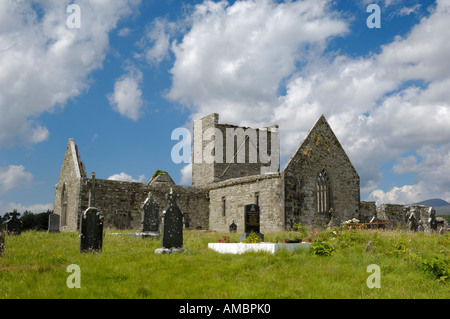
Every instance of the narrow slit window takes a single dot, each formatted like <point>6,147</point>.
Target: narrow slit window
<point>224,207</point>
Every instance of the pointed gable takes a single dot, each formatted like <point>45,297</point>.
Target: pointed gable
<point>321,183</point>
<point>320,137</point>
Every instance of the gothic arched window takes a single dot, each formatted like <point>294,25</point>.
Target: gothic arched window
<point>323,193</point>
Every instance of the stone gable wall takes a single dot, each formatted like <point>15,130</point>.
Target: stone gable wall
<point>72,171</point>
<point>320,150</point>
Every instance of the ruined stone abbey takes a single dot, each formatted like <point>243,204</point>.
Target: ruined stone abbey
<point>318,187</point>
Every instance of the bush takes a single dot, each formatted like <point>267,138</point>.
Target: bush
<point>322,248</point>
<point>438,265</point>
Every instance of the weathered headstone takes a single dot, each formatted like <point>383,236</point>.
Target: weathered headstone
<point>2,240</point>
<point>150,217</point>
<point>233,227</point>
<point>91,235</point>
<point>251,221</point>
<point>14,224</point>
<point>432,220</point>
<point>420,227</point>
<point>172,227</point>
<point>368,247</point>
<point>413,222</point>
<point>91,228</point>
<point>53,223</point>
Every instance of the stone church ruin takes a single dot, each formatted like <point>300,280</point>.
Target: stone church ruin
<point>318,187</point>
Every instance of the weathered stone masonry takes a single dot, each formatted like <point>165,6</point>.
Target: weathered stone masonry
<point>319,186</point>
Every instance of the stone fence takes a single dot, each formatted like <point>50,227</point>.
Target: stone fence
<point>408,217</point>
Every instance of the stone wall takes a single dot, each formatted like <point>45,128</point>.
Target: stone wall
<point>192,201</point>
<point>320,152</point>
<point>227,200</point>
<point>121,202</point>
<point>367,210</point>
<point>393,213</point>
<point>118,202</point>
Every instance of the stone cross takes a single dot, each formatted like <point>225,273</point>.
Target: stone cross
<point>91,184</point>
<point>233,227</point>
<point>172,226</point>
<point>14,224</point>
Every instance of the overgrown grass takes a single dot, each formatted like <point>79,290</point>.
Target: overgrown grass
<point>34,265</point>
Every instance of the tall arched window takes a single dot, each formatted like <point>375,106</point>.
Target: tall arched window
<point>323,191</point>
<point>64,206</point>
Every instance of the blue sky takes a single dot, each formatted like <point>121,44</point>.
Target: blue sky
<point>136,70</point>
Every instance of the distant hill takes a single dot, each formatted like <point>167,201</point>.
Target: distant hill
<point>443,210</point>
<point>435,202</point>
<point>441,206</point>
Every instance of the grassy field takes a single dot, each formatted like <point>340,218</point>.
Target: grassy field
<point>34,265</point>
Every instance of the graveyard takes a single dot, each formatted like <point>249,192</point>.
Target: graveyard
<point>413,265</point>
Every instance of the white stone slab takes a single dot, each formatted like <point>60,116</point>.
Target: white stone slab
<point>239,248</point>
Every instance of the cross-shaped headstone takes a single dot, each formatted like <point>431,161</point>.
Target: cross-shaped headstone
<point>91,184</point>
<point>91,228</point>
<point>233,227</point>
<point>14,224</point>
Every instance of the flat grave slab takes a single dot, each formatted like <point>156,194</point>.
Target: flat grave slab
<point>240,248</point>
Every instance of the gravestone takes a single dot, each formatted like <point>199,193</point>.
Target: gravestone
<point>91,228</point>
<point>233,227</point>
<point>251,221</point>
<point>14,224</point>
<point>413,222</point>
<point>53,223</point>
<point>2,240</point>
<point>420,227</point>
<point>91,235</point>
<point>432,220</point>
<point>150,217</point>
<point>172,227</point>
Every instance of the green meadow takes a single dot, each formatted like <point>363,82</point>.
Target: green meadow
<point>412,265</point>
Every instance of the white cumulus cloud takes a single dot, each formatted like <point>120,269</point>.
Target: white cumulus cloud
<point>127,96</point>
<point>14,176</point>
<point>44,63</point>
<point>124,177</point>
<point>263,62</point>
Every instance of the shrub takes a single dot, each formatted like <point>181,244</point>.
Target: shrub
<point>301,229</point>
<point>322,248</point>
<point>438,265</point>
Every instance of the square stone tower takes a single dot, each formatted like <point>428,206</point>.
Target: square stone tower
<point>224,151</point>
